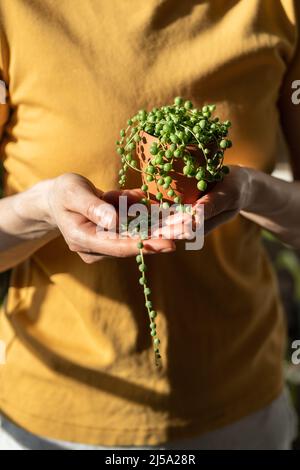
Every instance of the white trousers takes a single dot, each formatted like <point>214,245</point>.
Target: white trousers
<point>272,428</point>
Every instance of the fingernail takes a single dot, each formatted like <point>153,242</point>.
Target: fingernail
<point>107,219</point>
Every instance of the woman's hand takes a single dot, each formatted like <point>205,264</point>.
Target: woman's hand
<point>227,198</point>
<point>271,203</point>
<point>222,203</point>
<point>69,205</point>
<point>82,213</point>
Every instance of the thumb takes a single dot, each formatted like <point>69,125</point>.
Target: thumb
<point>213,203</point>
<point>89,203</point>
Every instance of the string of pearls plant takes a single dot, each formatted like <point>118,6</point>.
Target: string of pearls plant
<point>177,128</point>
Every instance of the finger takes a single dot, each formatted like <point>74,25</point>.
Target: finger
<point>174,232</point>
<point>178,226</point>
<point>133,196</point>
<point>178,218</point>
<point>187,222</point>
<point>214,203</point>
<point>112,244</point>
<point>180,231</point>
<point>86,201</point>
<point>123,247</point>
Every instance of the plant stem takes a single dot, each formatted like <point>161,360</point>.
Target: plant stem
<point>157,355</point>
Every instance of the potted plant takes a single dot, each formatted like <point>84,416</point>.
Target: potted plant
<point>178,151</point>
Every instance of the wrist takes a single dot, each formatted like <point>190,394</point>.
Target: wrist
<point>260,197</point>
<point>249,190</point>
<point>32,206</point>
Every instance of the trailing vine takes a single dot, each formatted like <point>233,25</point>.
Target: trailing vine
<point>177,129</point>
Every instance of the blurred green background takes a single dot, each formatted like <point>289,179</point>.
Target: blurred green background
<point>287,265</point>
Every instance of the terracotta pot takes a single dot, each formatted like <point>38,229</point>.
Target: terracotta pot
<point>182,185</point>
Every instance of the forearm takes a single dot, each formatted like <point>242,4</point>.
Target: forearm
<point>24,227</point>
<point>275,205</point>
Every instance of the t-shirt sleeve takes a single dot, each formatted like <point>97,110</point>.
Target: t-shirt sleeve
<point>289,100</point>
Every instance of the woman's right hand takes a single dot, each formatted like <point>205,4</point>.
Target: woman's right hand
<point>76,207</point>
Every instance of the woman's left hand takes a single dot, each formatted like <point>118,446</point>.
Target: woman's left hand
<point>271,203</point>
<point>227,198</point>
<point>222,203</point>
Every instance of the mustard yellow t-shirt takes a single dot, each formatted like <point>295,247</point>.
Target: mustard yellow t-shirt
<point>79,355</point>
